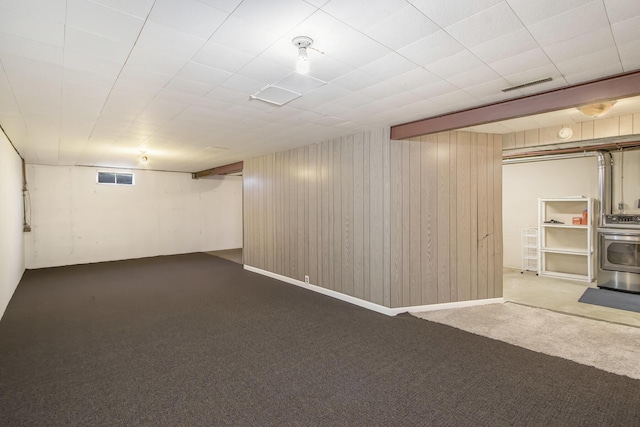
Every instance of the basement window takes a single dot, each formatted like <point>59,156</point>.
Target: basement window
<point>117,178</point>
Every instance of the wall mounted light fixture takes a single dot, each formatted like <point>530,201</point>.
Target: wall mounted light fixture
<point>302,43</point>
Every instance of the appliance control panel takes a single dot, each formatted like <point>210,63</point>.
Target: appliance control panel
<point>622,220</point>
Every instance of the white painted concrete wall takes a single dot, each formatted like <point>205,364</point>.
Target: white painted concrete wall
<point>75,220</point>
<point>12,255</point>
<point>524,183</point>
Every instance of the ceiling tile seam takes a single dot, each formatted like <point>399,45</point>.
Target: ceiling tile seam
<point>115,82</point>
<point>15,99</point>
<point>612,33</point>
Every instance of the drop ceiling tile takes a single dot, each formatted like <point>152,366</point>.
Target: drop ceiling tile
<point>274,95</point>
<point>276,16</point>
<point>360,51</point>
<point>327,69</point>
<point>493,22</point>
<point>455,64</point>
<point>169,41</point>
<point>20,46</point>
<point>31,27</point>
<point>362,17</point>
<point>593,60</point>
<point>531,12</point>
<point>488,88</point>
<point>413,78</point>
<point>430,90</point>
<point>621,10</point>
<point>299,83</point>
<point>535,58</point>
<point>380,90</point>
<point>156,61</point>
<point>188,16</point>
<point>188,86</point>
<point>591,16</point>
<point>138,8</point>
<point>473,77</point>
<point>447,13</point>
<point>224,5</point>
<point>504,46</point>
<point>533,75</point>
<point>242,84</point>
<point>629,55</point>
<point>264,71</point>
<point>431,48</point>
<point>596,40</point>
<point>240,35</point>
<point>96,46</point>
<point>389,66</point>
<point>355,80</point>
<point>453,99</point>
<point>221,94</point>
<point>143,77</point>
<point>319,96</point>
<point>402,28</point>
<point>203,74</point>
<point>94,18</point>
<point>52,10</point>
<point>627,31</point>
<point>587,74</point>
<point>221,57</point>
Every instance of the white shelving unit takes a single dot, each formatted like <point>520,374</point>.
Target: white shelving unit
<point>529,239</point>
<point>566,250</point>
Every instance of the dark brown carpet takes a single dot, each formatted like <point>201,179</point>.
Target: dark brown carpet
<point>196,340</point>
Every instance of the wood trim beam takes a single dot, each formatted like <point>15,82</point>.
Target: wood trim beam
<point>220,170</point>
<point>615,87</point>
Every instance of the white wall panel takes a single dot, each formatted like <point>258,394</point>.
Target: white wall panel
<point>12,261</point>
<point>77,221</point>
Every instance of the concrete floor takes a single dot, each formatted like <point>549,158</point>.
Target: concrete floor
<point>559,295</point>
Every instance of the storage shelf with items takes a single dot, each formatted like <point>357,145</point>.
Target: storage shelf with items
<point>565,237</point>
<point>529,239</point>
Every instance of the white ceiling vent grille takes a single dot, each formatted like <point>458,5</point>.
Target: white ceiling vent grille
<point>287,89</point>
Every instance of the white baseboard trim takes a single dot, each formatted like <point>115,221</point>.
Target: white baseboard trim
<point>370,305</point>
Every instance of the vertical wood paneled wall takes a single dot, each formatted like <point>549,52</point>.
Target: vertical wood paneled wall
<point>599,128</point>
<point>397,223</point>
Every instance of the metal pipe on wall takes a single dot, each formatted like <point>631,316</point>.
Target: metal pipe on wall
<point>605,162</point>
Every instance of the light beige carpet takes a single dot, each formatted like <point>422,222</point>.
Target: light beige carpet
<point>607,346</point>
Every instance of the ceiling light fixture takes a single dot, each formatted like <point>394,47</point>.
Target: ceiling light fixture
<point>302,43</point>
<point>596,110</point>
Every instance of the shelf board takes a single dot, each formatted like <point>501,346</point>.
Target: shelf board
<point>585,227</point>
<point>566,251</point>
<point>581,277</point>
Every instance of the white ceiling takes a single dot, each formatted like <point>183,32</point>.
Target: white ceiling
<point>96,82</point>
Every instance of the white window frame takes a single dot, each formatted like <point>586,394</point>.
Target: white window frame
<point>133,178</point>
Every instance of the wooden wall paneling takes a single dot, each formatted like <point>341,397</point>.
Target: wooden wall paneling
<point>259,216</point>
<point>626,125</point>
<point>406,222</point>
<point>453,208</point>
<point>337,215</point>
<point>531,137</point>
<point>366,197</point>
<point>520,139</point>
<point>278,198</point>
<point>386,215</point>
<point>606,127</point>
<point>415,205</point>
<point>376,223</point>
<point>444,282</point>
<point>497,215</point>
<point>269,213</point>
<point>247,244</point>
<point>429,218</point>
<point>395,154</point>
<point>358,216</point>
<point>463,216</point>
<point>473,209</point>
<point>347,214</point>
<point>312,197</point>
<point>286,209</point>
<point>482,216</point>
<point>324,273</point>
<point>587,130</point>
<point>490,219</point>
<point>509,141</point>
<point>302,216</point>
<point>549,135</point>
<point>636,123</point>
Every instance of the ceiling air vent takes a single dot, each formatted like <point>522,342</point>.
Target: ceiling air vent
<point>537,82</point>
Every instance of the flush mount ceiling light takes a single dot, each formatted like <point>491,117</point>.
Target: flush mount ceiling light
<point>302,43</point>
<point>595,110</point>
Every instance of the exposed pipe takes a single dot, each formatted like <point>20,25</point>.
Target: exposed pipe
<point>26,227</point>
<point>604,173</point>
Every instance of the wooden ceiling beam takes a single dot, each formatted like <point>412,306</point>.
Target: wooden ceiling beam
<point>615,87</point>
<point>220,170</point>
